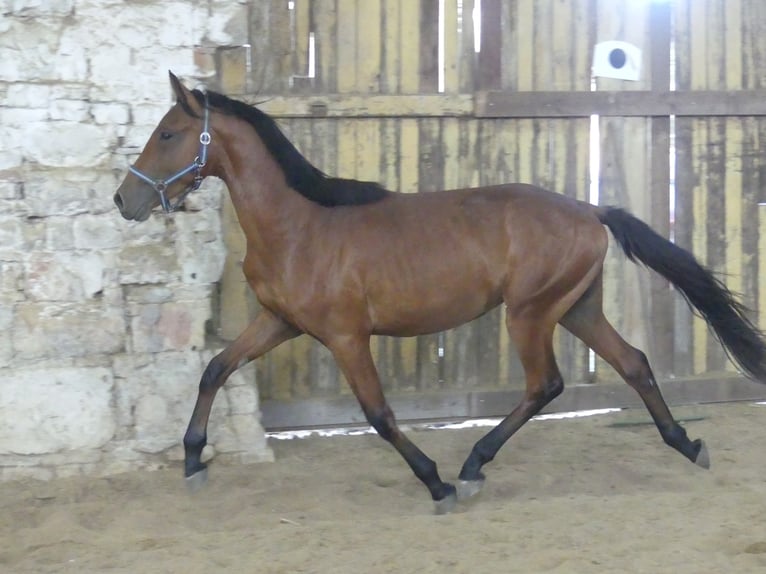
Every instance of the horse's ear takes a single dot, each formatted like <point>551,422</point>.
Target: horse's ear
<point>183,94</point>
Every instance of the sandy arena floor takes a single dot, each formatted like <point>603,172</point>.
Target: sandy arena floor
<point>600,494</point>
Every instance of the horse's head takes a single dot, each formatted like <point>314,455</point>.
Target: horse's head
<point>171,164</point>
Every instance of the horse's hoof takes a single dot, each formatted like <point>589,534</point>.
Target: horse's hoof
<point>446,504</point>
<point>468,488</point>
<point>196,481</point>
<point>703,458</point>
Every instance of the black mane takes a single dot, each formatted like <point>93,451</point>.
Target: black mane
<point>300,174</point>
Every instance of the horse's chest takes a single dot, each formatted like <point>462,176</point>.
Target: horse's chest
<point>271,292</point>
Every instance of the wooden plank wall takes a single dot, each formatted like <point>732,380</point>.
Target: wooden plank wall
<point>369,48</point>
<point>720,45</point>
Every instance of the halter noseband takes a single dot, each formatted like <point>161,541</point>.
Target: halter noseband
<point>160,185</point>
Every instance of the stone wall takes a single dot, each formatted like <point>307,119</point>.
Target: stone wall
<point>102,321</point>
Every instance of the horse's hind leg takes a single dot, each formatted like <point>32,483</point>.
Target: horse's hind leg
<point>355,361</point>
<point>534,341</point>
<point>586,321</point>
<point>263,334</point>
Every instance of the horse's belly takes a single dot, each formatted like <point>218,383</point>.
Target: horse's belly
<point>422,314</point>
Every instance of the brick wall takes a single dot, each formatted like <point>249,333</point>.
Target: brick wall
<point>103,321</point>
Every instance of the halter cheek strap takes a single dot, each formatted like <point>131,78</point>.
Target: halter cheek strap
<point>161,185</point>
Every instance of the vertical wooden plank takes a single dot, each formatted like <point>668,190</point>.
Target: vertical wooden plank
<point>391,44</point>
<point>451,47</point>
<point>346,45</point>
<point>410,41</point>
<point>490,71</point>
<point>584,37</point>
<point>734,149</point>
<point>661,300</point>
<point>469,154</point>
<point>525,10</point>
<point>346,148</point>
<point>699,234</point>
<point>563,66</point>
<point>429,46</point>
<point>685,181</point>
<point>754,164</point>
<point>525,135</point>
<point>683,357</point>
<point>509,27</point>
<point>698,34</point>
<point>368,46</point>
<point>324,19</point>
<point>451,136</point>
<point>761,309</point>
<point>541,54</point>
<point>389,142</point>
<point>468,59</point>
<point>733,44</point>
<point>271,38</point>
<point>751,168</point>
<point>367,148</point>
<point>717,200</point>
<point>231,69</point>
<point>732,188</point>
<point>301,28</point>
<point>715,222</point>
<point>409,155</point>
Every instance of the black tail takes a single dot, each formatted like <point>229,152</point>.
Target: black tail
<point>742,340</point>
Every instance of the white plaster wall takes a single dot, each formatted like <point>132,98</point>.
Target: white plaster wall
<point>102,321</point>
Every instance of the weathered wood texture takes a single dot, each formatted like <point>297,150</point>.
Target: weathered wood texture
<point>374,110</point>
<point>720,165</point>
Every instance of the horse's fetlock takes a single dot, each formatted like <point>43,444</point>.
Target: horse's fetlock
<point>674,436</point>
<point>194,441</point>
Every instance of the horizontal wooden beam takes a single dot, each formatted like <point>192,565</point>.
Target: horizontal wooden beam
<point>497,104</point>
<point>501,104</point>
<point>364,106</point>
<point>451,405</point>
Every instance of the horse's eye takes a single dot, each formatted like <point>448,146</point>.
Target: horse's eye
<point>166,135</point>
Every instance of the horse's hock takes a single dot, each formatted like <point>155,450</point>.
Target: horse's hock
<point>102,323</point>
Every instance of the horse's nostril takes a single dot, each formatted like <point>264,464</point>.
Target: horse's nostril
<point>118,200</point>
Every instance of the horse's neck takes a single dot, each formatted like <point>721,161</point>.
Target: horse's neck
<point>268,210</point>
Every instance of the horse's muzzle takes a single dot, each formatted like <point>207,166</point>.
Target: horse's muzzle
<point>136,214</point>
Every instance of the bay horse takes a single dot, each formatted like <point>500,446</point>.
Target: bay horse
<point>341,260</point>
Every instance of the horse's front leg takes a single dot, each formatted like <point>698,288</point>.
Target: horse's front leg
<point>263,334</point>
<point>352,353</point>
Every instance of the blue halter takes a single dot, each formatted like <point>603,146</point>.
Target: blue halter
<point>161,185</point>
